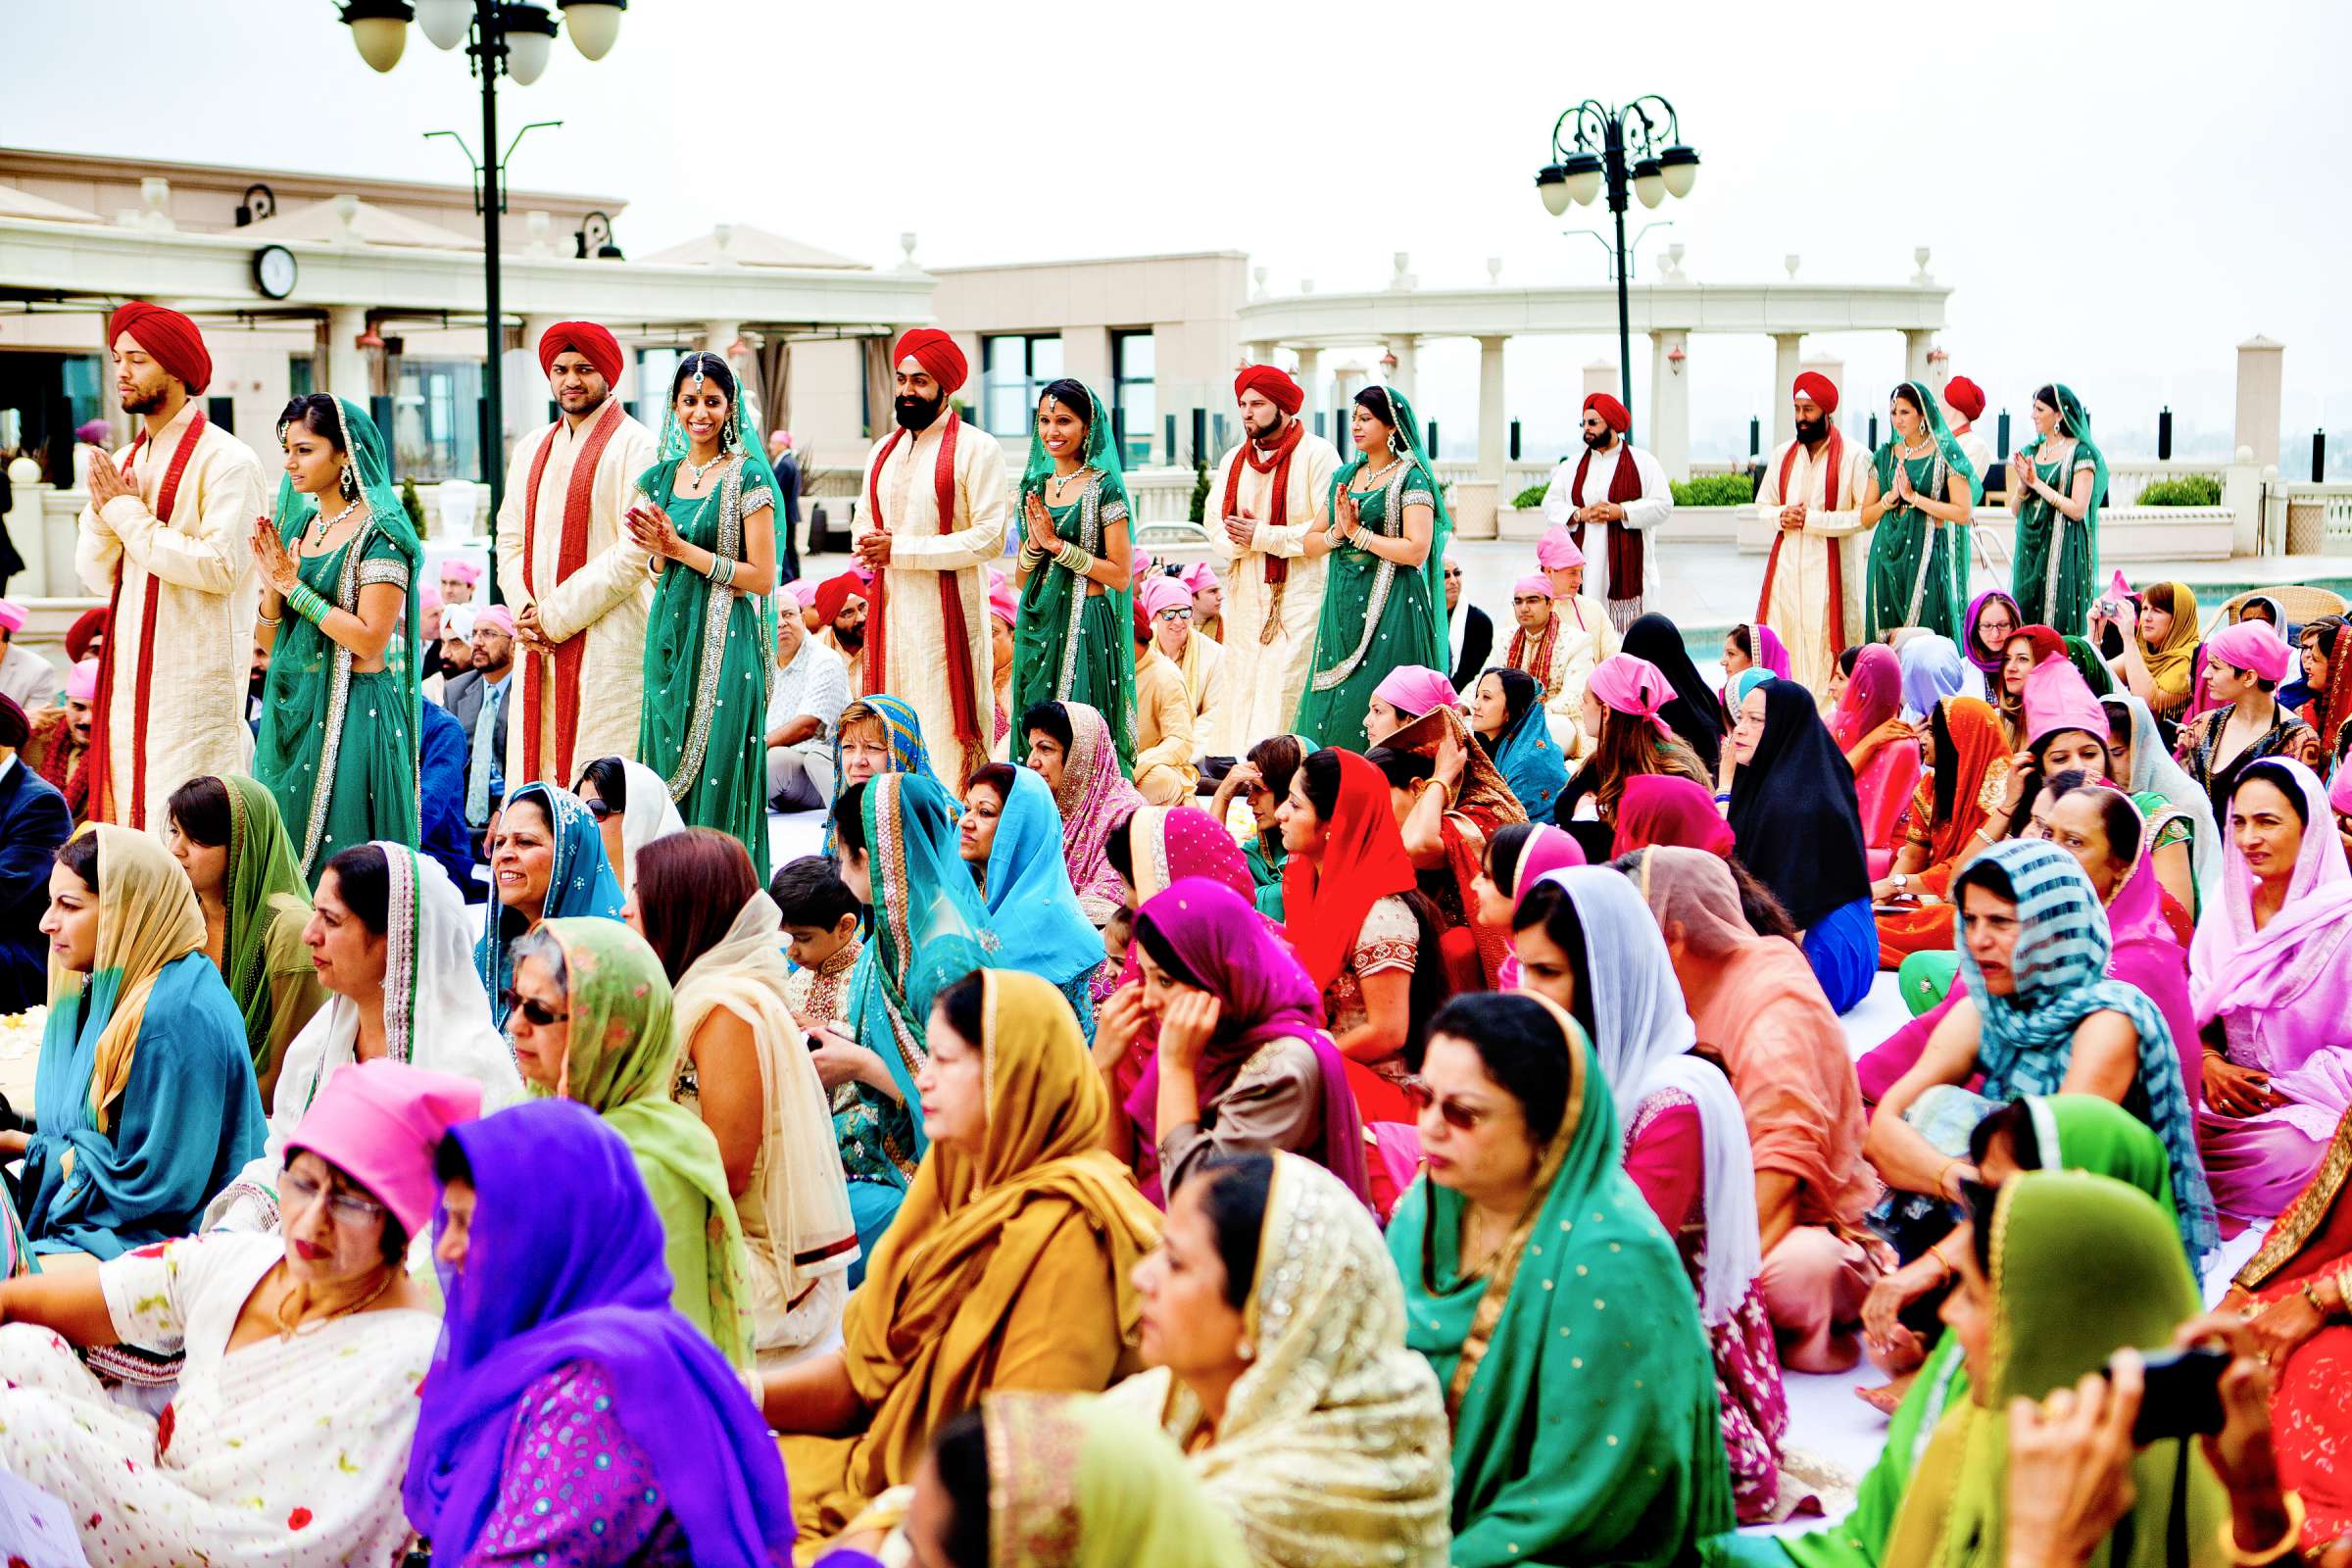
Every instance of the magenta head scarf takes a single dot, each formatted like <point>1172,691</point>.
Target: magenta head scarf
<point>2057,698</point>
<point>1633,685</point>
<point>1971,646</point>
<point>1770,652</point>
<point>2297,966</point>
<point>2253,646</point>
<point>1415,689</point>
<point>2339,794</point>
<point>1873,694</point>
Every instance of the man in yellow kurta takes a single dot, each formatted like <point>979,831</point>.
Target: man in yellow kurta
<point>1164,774</point>
<point>1176,635</point>
<point>168,535</point>
<point>579,586</point>
<point>1268,494</point>
<point>1815,578</point>
<point>935,509</point>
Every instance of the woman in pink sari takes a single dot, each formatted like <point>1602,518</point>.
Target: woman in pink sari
<point>2271,978</point>
<point>1881,748</point>
<point>1070,744</point>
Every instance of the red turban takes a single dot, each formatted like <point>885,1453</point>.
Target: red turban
<point>1612,412</point>
<point>936,352</point>
<point>1815,387</point>
<point>581,337</point>
<point>834,594</point>
<point>169,338</point>
<point>1965,396</point>
<point>1272,384</point>
<point>87,626</point>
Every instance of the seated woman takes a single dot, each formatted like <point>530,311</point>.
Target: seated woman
<point>744,1067</point>
<point>1696,713</point>
<point>1507,715</point>
<point>1263,778</point>
<point>1070,746</point>
<point>1879,746</point>
<point>572,1415</point>
<point>1756,1005</point>
<point>2326,645</point>
<point>1623,703</point>
<point>1362,930</point>
<point>1446,831</point>
<point>548,863</point>
<point>2270,979</point>
<point>388,938</point>
<point>1241,1062</point>
<point>1934,673</point>
<point>2187,840</point>
<point>1592,948</point>
<point>1274,1325</point>
<point>1992,618</point>
<point>2029,648</point>
<point>876,734</point>
<point>2248,723</point>
<point>1959,808</point>
<point>1798,825</point>
<point>1012,838</point>
<point>1557,1316</point>
<point>286,1438</point>
<point>1008,1268</point>
<point>1517,857</point>
<point>144,1096</point>
<point>1749,646</point>
<point>1404,694</point>
<point>632,807</point>
<point>590,1023</point>
<point>228,837</point>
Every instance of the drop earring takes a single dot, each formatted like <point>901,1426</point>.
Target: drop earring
<point>349,484</point>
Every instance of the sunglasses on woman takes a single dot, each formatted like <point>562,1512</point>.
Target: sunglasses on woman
<point>1458,1116</point>
<point>540,1015</point>
<point>599,808</point>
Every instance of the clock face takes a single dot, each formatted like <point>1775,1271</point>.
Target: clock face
<point>273,270</point>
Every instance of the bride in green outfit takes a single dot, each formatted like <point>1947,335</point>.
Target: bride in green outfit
<point>1074,639</point>
<point>1384,593</point>
<point>2058,479</point>
<point>337,747</point>
<point>1920,491</point>
<point>707,514</point>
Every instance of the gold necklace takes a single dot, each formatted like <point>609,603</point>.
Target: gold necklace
<point>297,1297</point>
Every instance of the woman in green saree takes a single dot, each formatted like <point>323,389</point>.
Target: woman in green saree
<point>708,516</point>
<point>1073,639</point>
<point>591,1022</point>
<point>2057,481</point>
<point>1919,497</point>
<point>1384,588</point>
<point>340,715</point>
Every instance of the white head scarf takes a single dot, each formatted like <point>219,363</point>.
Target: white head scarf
<point>651,815</point>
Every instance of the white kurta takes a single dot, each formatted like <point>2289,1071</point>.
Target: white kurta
<point>605,601</point>
<point>1653,507</point>
<point>1798,606</point>
<point>209,595</point>
<point>914,641</point>
<point>1980,453</point>
<point>1264,680</point>
<point>1586,636</point>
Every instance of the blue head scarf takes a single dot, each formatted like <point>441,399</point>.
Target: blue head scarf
<point>1031,905</point>
<point>1933,670</point>
<point>575,1272</point>
<point>1527,757</point>
<point>1747,680</point>
<point>903,731</point>
<point>579,883</point>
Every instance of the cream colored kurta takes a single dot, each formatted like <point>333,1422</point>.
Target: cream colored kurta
<point>1645,512</point>
<point>201,559</point>
<point>916,638</point>
<point>1164,731</point>
<point>1264,680</point>
<point>1798,605</point>
<point>604,601</point>
<point>1586,637</point>
<point>1204,668</point>
<point>1980,453</point>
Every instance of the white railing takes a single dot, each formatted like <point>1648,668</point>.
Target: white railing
<point>2335,507</point>
<point>2126,480</point>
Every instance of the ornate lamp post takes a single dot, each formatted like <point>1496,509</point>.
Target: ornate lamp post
<point>1644,131</point>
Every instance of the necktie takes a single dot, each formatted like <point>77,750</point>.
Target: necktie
<point>477,764</point>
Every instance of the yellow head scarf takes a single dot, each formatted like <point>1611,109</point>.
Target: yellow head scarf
<point>147,917</point>
<point>2170,662</point>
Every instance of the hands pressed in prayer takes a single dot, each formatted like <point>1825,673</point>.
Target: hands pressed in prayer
<point>650,526</point>
<point>106,482</point>
<point>2069,1466</point>
<point>1241,530</point>
<point>269,555</point>
<point>1903,492</point>
<point>1040,521</point>
<point>2235,1091</point>
<point>875,549</point>
<point>1186,1028</point>
<point>1345,516</point>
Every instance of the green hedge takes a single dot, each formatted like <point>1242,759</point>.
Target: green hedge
<point>1529,499</point>
<point>1715,490</point>
<point>2189,490</point>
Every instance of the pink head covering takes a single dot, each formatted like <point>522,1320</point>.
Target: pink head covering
<point>495,617</point>
<point>1633,685</point>
<point>464,571</point>
<point>1164,592</point>
<point>802,591</point>
<point>1002,602</point>
<point>1771,653</point>
<point>1557,552</point>
<point>379,1123</point>
<point>1546,849</point>
<point>2292,977</point>
<point>428,598</point>
<point>81,681</point>
<point>1873,694</point>
<point>1142,566</point>
<point>2058,698</point>
<point>1416,689</point>
<point>12,615</point>
<point>2253,646</point>
<point>1534,582</point>
<point>1664,808</point>
<point>2339,794</point>
<point>1200,576</point>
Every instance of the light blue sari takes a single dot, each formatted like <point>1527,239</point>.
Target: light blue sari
<point>1032,908</point>
<point>579,882</point>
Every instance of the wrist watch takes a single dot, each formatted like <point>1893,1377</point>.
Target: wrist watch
<point>1901,880</point>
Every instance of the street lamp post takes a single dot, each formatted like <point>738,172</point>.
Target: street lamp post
<point>1644,131</point>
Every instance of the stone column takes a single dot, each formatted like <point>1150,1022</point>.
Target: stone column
<point>1259,353</point>
<point>1406,347</point>
<point>1669,434</point>
<point>1916,345</point>
<point>1309,379</point>
<point>346,362</point>
<point>2260,363</point>
<point>1852,416</point>
<point>1493,420</point>
<point>1785,371</point>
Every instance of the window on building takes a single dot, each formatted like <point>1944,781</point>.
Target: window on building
<point>1133,399</point>
<point>436,420</point>
<point>1014,371</point>
<point>302,376</point>
<point>654,368</point>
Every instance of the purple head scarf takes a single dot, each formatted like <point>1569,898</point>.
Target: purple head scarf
<point>575,1273</point>
<point>1970,646</point>
<point>1415,689</point>
<point>1770,652</point>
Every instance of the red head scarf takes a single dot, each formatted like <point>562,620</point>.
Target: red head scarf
<point>169,338</point>
<point>87,626</point>
<point>1272,384</point>
<point>834,594</point>
<point>581,337</point>
<point>1324,904</point>
<point>1965,396</point>
<point>1815,387</point>
<point>1660,809</point>
<point>2045,641</point>
<point>936,352</point>
<point>1611,411</point>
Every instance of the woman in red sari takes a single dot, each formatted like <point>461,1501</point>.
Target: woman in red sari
<point>1446,828</point>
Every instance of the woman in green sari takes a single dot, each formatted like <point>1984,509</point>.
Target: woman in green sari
<point>1384,588</point>
<point>1073,640</point>
<point>592,1023</point>
<point>2057,481</point>
<point>708,516</point>
<point>340,714</point>
<point>1920,492</point>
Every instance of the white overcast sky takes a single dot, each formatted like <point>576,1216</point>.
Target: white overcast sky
<point>2120,193</point>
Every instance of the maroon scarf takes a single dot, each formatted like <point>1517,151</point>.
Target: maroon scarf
<point>960,692</point>
<point>1625,544</point>
<point>1832,459</point>
<point>572,554</point>
<point>101,749</point>
<point>1277,463</point>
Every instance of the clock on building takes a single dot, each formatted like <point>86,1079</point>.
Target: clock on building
<point>273,270</point>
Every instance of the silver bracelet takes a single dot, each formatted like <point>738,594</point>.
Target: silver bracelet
<point>722,571</point>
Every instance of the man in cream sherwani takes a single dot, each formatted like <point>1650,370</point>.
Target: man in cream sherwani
<point>168,536</point>
<point>579,586</point>
<point>1815,576</point>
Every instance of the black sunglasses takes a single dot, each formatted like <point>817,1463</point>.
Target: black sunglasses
<point>599,808</point>
<point>538,1012</point>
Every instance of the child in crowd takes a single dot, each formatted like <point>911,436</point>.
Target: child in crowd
<point>820,917</point>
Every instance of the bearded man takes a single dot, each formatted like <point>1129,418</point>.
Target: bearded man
<point>1615,484</point>
<point>841,611</point>
<point>166,537</point>
<point>1814,577</point>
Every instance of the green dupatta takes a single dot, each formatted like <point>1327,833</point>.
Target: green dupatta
<point>2056,566</point>
<point>619,1060</point>
<point>1918,565</point>
<point>1075,1480</point>
<point>269,903</point>
<point>1070,646</point>
<point>1586,1313</point>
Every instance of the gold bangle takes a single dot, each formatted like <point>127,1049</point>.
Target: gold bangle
<point>2292,1502</point>
<point>266,621</point>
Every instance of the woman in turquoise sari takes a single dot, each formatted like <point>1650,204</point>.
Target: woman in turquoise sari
<point>1507,713</point>
<point>708,518</point>
<point>1384,589</point>
<point>877,734</point>
<point>2057,481</point>
<point>1073,640</point>
<point>1919,497</point>
<point>1033,911</point>
<point>340,717</point>
<point>548,861</point>
<point>144,1092</point>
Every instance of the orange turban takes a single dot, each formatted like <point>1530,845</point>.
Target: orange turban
<point>581,337</point>
<point>1271,382</point>
<point>936,352</point>
<point>169,338</point>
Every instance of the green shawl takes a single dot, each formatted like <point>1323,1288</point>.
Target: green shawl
<point>620,1059</point>
<point>1581,1387</point>
<point>1056,655</point>
<point>269,903</point>
<point>1075,1480</point>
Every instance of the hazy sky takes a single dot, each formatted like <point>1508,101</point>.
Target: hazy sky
<point>2120,193</point>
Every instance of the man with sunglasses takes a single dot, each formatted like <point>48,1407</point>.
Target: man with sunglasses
<point>1176,634</point>
<point>1469,631</point>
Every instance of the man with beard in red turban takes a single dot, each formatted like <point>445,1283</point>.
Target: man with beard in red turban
<point>1624,491</point>
<point>1811,499</point>
<point>936,506</point>
<point>840,610</point>
<point>579,587</point>
<point>167,540</point>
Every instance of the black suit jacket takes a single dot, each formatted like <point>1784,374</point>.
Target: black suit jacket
<point>33,822</point>
<point>1478,642</point>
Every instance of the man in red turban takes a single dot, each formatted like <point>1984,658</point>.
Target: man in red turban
<point>1810,497</point>
<point>1616,486</point>
<point>167,540</point>
<point>1967,399</point>
<point>842,607</point>
<point>578,587</point>
<point>936,508</point>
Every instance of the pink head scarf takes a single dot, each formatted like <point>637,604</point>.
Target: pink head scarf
<point>1002,602</point>
<point>804,591</point>
<point>1533,583</point>
<point>1662,808</point>
<point>495,617</point>
<point>1200,576</point>
<point>1141,565</point>
<point>1556,551</point>
<point>1635,686</point>
<point>1164,592</point>
<point>428,597</point>
<point>12,615</point>
<point>463,569</point>
<point>81,681</point>
<point>1883,788</point>
<point>2339,794</point>
<point>379,1122</point>
<point>1415,689</point>
<point>2295,975</point>
<point>2253,646</point>
<point>1770,652</point>
<point>2057,698</point>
